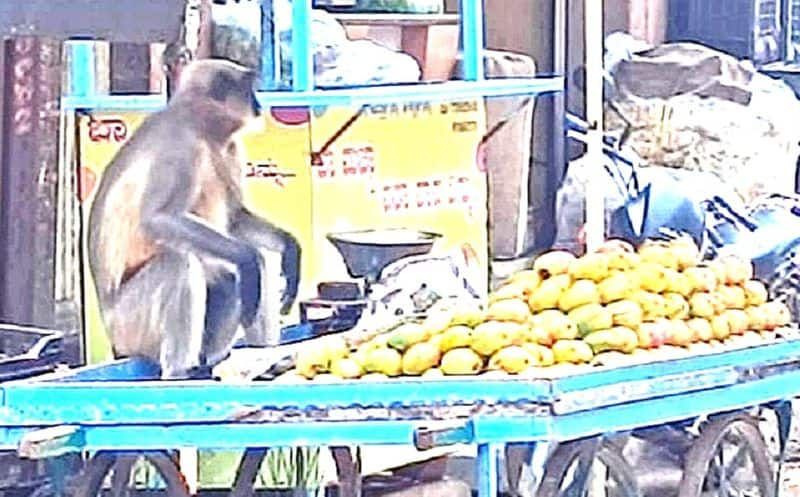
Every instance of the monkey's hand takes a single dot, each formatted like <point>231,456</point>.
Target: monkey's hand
<point>250,287</point>
<point>266,236</point>
<point>290,266</point>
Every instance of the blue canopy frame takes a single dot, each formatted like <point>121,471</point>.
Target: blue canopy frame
<point>82,93</point>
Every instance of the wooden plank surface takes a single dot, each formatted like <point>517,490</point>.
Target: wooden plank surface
<point>142,21</point>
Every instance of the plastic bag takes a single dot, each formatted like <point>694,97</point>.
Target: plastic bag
<point>339,61</point>
<point>363,62</point>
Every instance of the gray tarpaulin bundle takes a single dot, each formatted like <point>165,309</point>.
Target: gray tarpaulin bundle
<point>695,114</point>
<point>692,107</point>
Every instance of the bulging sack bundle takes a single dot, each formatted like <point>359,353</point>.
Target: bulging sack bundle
<point>692,107</point>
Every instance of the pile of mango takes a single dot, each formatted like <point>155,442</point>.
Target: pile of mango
<point>568,309</point>
<point>445,342</point>
<point>621,299</point>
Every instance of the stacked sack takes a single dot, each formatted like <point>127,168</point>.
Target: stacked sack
<point>567,310</point>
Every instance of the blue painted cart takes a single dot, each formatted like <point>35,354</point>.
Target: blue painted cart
<point>120,408</point>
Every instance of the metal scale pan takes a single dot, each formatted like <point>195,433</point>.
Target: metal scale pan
<point>365,254</point>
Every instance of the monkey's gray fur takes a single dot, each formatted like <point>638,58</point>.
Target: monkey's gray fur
<point>177,259</point>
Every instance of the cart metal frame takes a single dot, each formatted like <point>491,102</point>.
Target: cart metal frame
<point>121,406</point>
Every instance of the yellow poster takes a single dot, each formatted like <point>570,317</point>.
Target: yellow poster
<point>410,166</point>
<point>406,166</point>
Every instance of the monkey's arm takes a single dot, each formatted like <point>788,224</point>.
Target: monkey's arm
<point>266,235</point>
<point>166,218</point>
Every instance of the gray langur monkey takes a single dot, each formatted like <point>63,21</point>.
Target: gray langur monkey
<point>178,261</point>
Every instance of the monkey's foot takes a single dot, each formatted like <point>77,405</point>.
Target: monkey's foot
<point>204,372</point>
<point>196,373</point>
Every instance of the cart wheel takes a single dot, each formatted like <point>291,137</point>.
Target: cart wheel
<point>250,465</point>
<point>717,464</point>
<point>119,466</point>
<point>244,485</point>
<point>559,474</point>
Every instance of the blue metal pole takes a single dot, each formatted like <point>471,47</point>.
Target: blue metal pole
<point>472,39</point>
<point>82,70</point>
<point>267,47</point>
<point>487,469</point>
<point>302,58</point>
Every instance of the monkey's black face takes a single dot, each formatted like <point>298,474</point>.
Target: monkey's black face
<point>227,83</point>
